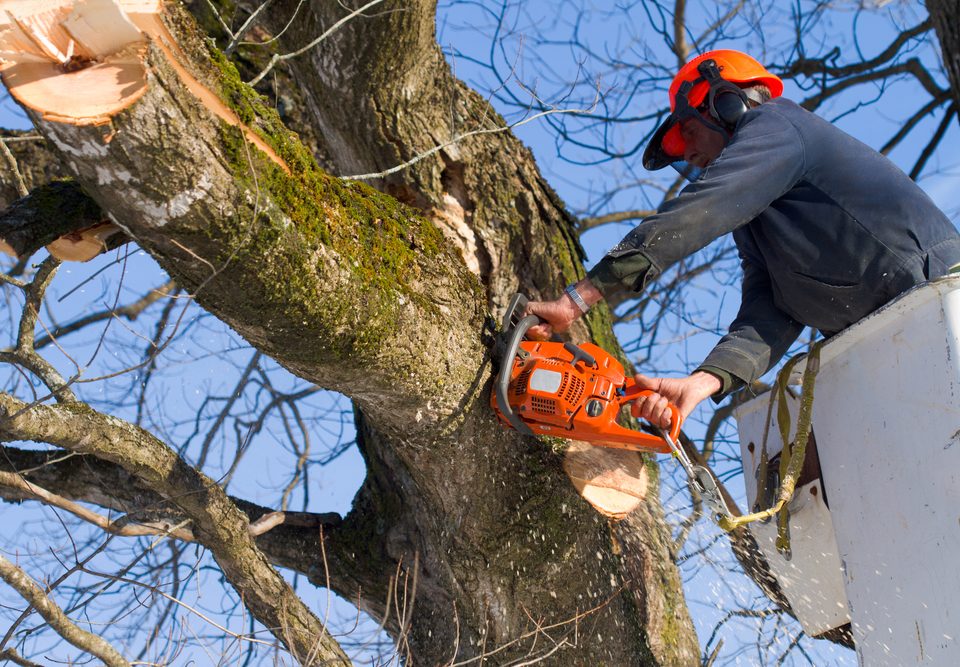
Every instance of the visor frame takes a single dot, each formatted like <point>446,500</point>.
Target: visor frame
<point>655,156</point>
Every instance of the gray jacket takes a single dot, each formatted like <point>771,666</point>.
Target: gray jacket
<point>828,230</point>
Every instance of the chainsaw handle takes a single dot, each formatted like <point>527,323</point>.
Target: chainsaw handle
<point>513,344</point>
<point>579,354</point>
<point>634,391</point>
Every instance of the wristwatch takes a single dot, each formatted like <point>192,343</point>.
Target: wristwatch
<point>577,299</point>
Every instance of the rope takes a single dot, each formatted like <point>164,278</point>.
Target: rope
<point>792,457</point>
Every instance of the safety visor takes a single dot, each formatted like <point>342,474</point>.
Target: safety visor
<point>667,144</point>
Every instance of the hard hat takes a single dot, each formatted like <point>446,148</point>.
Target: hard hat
<point>708,82</point>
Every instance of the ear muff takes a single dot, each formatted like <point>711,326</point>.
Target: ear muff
<point>726,101</point>
<point>729,106</point>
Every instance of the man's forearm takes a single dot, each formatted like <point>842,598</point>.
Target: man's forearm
<point>706,384</point>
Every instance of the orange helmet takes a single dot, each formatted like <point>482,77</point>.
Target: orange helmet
<point>709,82</point>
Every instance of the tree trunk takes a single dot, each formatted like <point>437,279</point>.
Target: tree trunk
<point>387,304</point>
<point>944,15</point>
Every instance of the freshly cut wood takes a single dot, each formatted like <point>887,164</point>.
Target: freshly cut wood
<point>613,481</point>
<point>74,62</point>
<point>97,93</point>
<point>87,21</point>
<point>83,245</point>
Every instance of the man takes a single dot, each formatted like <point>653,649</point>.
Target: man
<point>827,229</point>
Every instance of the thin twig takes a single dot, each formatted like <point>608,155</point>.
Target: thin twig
<point>246,26</point>
<point>223,24</point>
<point>131,311</point>
<point>16,481</point>
<point>466,135</point>
<point>336,26</point>
<point>12,163</point>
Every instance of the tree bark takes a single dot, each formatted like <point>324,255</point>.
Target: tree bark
<point>387,304</point>
<point>944,15</point>
<point>37,164</point>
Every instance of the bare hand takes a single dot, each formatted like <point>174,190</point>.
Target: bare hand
<point>557,316</point>
<point>685,393</point>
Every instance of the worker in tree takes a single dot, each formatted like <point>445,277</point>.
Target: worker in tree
<point>827,229</point>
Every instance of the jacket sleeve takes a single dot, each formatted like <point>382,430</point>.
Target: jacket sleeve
<point>763,160</point>
<point>761,333</point>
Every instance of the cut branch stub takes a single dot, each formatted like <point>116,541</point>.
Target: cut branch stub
<point>94,42</point>
<point>81,62</point>
<point>61,217</point>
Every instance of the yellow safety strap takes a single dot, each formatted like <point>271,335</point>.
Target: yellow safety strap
<point>792,457</point>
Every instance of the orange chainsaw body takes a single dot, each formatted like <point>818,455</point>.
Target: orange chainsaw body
<point>573,392</point>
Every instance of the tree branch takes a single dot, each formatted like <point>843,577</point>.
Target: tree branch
<point>58,620</point>
<point>620,216</point>
<point>214,517</point>
<point>12,482</point>
<point>48,213</point>
<point>284,537</point>
<point>129,312</point>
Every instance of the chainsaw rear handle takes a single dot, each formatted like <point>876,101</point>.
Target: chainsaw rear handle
<point>633,392</point>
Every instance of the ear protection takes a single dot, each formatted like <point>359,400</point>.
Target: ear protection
<point>725,101</point>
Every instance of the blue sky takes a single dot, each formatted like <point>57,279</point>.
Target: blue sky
<point>196,367</point>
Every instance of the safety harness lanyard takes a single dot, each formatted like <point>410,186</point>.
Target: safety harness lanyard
<point>762,479</point>
<point>792,457</point>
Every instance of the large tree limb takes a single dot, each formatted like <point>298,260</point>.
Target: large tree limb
<point>291,234</point>
<point>51,212</point>
<point>87,479</point>
<point>215,520</point>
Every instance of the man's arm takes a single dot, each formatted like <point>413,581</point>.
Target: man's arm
<point>559,314</point>
<point>759,336</point>
<point>761,333</point>
<point>764,159</point>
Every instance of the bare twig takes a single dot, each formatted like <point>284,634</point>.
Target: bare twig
<point>934,141</point>
<point>620,216</point>
<point>12,163</point>
<point>457,139</point>
<point>332,29</point>
<point>18,483</point>
<point>130,312</point>
<point>246,26</point>
<point>216,13</point>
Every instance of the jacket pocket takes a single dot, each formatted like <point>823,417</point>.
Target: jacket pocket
<point>826,306</point>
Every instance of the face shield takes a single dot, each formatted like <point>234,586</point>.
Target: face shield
<point>667,147</point>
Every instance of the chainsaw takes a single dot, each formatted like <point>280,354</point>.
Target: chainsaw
<point>577,392</point>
